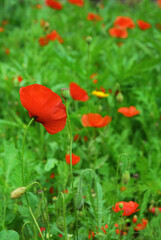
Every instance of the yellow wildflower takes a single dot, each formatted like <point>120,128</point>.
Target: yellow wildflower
<point>100,94</point>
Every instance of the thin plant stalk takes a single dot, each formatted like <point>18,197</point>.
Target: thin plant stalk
<point>71,169</point>
<point>65,226</point>
<point>28,222</point>
<point>23,179</point>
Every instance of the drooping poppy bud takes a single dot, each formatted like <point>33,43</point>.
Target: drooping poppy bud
<point>18,192</point>
<point>79,200</point>
<point>126,177</point>
<point>60,223</point>
<point>156,212</point>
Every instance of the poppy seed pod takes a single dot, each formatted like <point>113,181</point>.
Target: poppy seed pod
<point>119,97</point>
<point>65,93</point>
<point>126,177</point>
<point>60,223</point>
<point>135,218</point>
<point>18,192</point>
<point>89,39</point>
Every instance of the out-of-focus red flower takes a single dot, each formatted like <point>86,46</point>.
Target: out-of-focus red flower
<point>94,17</point>
<point>102,89</point>
<point>75,159</point>
<point>44,106</point>
<point>76,137</point>
<point>54,4</point>
<point>91,234</point>
<point>79,3</point>
<point>1,29</point>
<point>122,189</point>
<point>103,228</point>
<point>93,75</point>
<point>60,235</point>
<point>119,44</point>
<point>124,22</point>
<point>54,36</point>
<point>43,41</point>
<point>7,51</point>
<point>159,3</point>
<point>65,191</point>
<point>95,81</point>
<point>128,208</point>
<point>38,6</point>
<point>141,226</point>
<point>95,120</point>
<point>135,218</point>
<point>143,25</point>
<point>128,112</point>
<point>52,175</point>
<point>19,79</point>
<point>4,22</point>
<point>118,32</point>
<point>121,233</point>
<point>41,229</point>
<point>78,93</point>
<point>153,209</point>
<point>51,190</point>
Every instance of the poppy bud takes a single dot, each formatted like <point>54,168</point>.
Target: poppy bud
<point>121,205</point>
<point>119,97</point>
<point>89,39</point>
<point>18,192</point>
<point>60,223</point>
<point>126,177</point>
<point>116,87</point>
<point>65,93</point>
<point>79,200</point>
<point>151,207</point>
<point>135,218</point>
<point>156,212</point>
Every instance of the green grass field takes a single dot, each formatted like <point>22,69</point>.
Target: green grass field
<point>83,78</point>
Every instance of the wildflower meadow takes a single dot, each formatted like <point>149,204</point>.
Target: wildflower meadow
<point>80,119</point>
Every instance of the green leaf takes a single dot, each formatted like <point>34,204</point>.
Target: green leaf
<point>6,235</point>
<point>51,162</point>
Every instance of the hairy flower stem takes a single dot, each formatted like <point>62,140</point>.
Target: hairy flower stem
<point>28,222</point>
<point>71,170</point>
<point>23,179</point>
<point>46,207</point>
<point>65,226</point>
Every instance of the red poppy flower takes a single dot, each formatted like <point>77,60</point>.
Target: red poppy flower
<point>128,208</point>
<point>153,209</point>
<point>159,3</point>
<point>143,25</point>
<point>43,41</point>
<point>52,175</point>
<point>95,120</point>
<point>78,93</point>
<point>54,36</point>
<point>141,226</point>
<point>1,29</point>
<point>51,190</point>
<point>135,218</point>
<point>41,229</point>
<point>60,235</point>
<point>7,51</point>
<point>45,106</point>
<point>54,4</point>
<point>19,79</point>
<point>124,22</point>
<point>118,32</point>
<point>94,17</point>
<point>79,3</point>
<point>93,75</point>
<point>128,112</point>
<point>75,159</point>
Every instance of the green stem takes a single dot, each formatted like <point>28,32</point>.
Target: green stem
<point>28,222</point>
<point>65,227</point>
<point>23,179</point>
<point>46,208</point>
<point>71,170</point>
<point>22,153</point>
